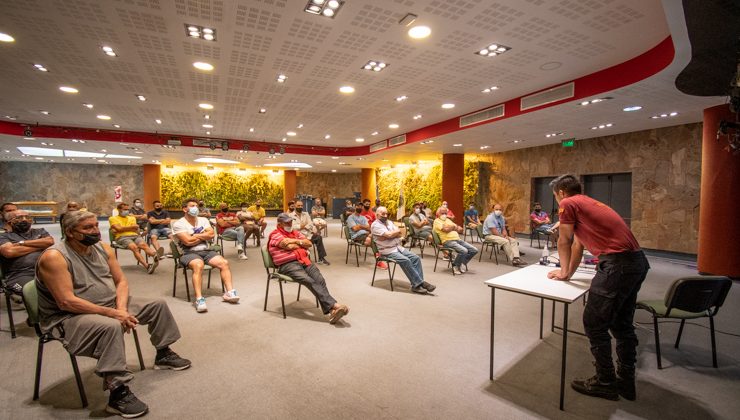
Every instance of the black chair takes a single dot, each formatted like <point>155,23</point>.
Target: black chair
<point>4,289</point>
<point>689,298</point>
<point>176,257</point>
<point>31,300</point>
<point>485,244</point>
<point>272,274</point>
<point>414,241</point>
<point>343,219</point>
<point>533,233</point>
<point>379,258</point>
<point>439,248</point>
<point>351,244</point>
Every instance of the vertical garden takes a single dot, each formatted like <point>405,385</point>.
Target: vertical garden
<point>221,187</point>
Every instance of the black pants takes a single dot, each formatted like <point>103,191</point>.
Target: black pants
<point>611,308</point>
<point>311,278</point>
<point>318,242</point>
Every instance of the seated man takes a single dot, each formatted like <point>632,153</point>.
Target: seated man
<point>20,249</point>
<point>448,233</point>
<point>193,233</point>
<point>420,222</point>
<point>249,223</point>
<point>126,233</point>
<point>259,214</point>
<point>291,206</point>
<point>140,214</point>
<point>203,211</point>
<point>450,214</point>
<point>4,210</point>
<point>289,251</point>
<point>71,206</point>
<point>349,208</point>
<point>367,212</point>
<point>541,220</point>
<point>494,228</point>
<point>426,210</point>
<point>471,216</point>
<point>318,213</point>
<point>377,204</point>
<point>230,228</point>
<point>159,224</point>
<point>359,228</point>
<point>388,239</point>
<point>305,226</point>
<point>85,296</point>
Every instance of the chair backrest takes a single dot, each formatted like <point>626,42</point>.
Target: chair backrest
<point>31,300</point>
<point>375,247</point>
<point>267,259</point>
<point>698,294</point>
<point>347,234</point>
<point>437,239</point>
<point>175,251</point>
<point>343,218</point>
<point>479,229</point>
<point>110,236</point>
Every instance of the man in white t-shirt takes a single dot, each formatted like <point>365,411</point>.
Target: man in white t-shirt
<point>193,234</point>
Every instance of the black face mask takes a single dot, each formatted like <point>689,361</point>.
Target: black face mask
<point>225,210</point>
<point>383,219</point>
<point>537,210</point>
<point>158,209</point>
<point>367,207</point>
<point>22,227</point>
<point>258,205</point>
<point>291,208</point>
<point>358,209</point>
<point>90,239</point>
<point>299,210</point>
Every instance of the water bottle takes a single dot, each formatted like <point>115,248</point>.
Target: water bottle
<point>545,259</point>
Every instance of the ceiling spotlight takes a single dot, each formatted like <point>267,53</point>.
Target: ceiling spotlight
<point>6,38</point>
<point>109,51</point>
<point>262,110</point>
<point>158,121</point>
<point>205,106</point>
<point>116,125</point>
<point>374,133</point>
<point>327,137</point>
<point>401,98</point>
<point>324,8</point>
<point>197,31</point>
<point>281,78</point>
<point>492,50</point>
<point>393,125</point>
<point>88,106</point>
<point>417,116</point>
<point>45,112</point>
<point>632,108</point>
<point>68,89</point>
<point>448,106</point>
<point>200,65</point>
<point>207,126</point>
<point>420,32</point>
<point>251,130</point>
<point>212,146</point>
<point>103,117</point>
<point>291,133</point>
<point>282,150</point>
<point>359,139</point>
<point>490,89</point>
<point>457,144</point>
<point>40,67</point>
<point>374,65</point>
<point>225,146</point>
<point>347,89</point>
<point>141,98</point>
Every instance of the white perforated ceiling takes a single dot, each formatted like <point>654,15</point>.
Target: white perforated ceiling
<point>552,42</point>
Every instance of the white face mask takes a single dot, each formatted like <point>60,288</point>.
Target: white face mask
<point>443,217</point>
<point>417,210</point>
<point>288,228</point>
<point>137,204</point>
<point>498,212</point>
<point>244,208</point>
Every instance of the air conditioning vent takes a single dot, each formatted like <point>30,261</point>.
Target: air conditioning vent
<point>485,115</point>
<point>378,146</point>
<point>397,140</point>
<point>548,96</point>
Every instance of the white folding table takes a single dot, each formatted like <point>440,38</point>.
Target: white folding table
<point>532,281</point>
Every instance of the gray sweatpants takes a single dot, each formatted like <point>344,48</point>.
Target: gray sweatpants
<point>101,337</point>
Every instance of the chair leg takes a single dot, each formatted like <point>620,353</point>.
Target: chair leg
<point>174,281</point>
<point>299,292</point>
<point>391,274</point>
<point>346,256</point>
<point>187,285</point>
<point>436,258</point>
<point>282,299</point>
<point>657,341</point>
<point>267,291</point>
<point>39,358</point>
<point>714,343</point>
<point>680,331</point>
<point>138,349</point>
<point>375,268</point>
<point>357,254</point>
<point>10,314</point>
<point>78,378</point>
<point>494,249</point>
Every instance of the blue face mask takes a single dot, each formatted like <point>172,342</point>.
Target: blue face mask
<point>193,211</point>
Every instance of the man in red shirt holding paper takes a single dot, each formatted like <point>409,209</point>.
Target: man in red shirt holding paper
<point>289,251</point>
<point>585,222</point>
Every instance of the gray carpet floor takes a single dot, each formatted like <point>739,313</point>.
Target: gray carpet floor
<point>396,355</point>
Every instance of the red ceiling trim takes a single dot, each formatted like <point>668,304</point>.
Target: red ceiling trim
<point>631,71</point>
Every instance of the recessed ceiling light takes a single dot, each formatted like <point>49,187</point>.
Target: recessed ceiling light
<point>45,112</point>
<point>88,106</point>
<point>632,108</point>
<point>6,38</point>
<point>68,89</point>
<point>346,89</point>
<point>197,31</point>
<point>205,106</point>
<point>490,89</point>
<point>284,139</point>
<point>457,144</point>
<point>323,8</point>
<point>281,78</point>
<point>448,106</point>
<point>327,137</point>
<point>401,98</point>
<point>374,65</point>
<point>262,110</point>
<point>291,133</point>
<point>420,32</point>
<point>359,139</point>
<point>374,133</point>
<point>251,129</point>
<point>484,147</point>
<point>201,65</point>
<point>335,157</point>
<point>492,50</point>
<point>602,126</point>
<point>40,67</point>
<point>548,135</point>
<point>116,125</point>
<point>333,170</point>
<point>103,117</point>
<point>300,125</point>
<point>393,125</point>
<point>417,116</point>
<point>142,98</point>
<point>208,133</point>
<point>595,101</point>
<point>208,117</point>
<point>158,121</point>
<point>207,125</point>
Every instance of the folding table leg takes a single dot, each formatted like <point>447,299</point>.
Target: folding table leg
<point>565,349</point>
<point>493,311</point>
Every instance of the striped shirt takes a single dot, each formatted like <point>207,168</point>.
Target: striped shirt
<point>282,256</point>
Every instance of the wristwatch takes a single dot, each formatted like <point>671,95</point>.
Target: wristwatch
<point>21,242</point>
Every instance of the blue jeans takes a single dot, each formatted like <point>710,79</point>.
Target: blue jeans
<point>465,251</point>
<point>234,233</point>
<point>410,264</point>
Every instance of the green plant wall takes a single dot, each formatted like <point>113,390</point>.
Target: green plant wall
<point>421,183</point>
<point>222,186</point>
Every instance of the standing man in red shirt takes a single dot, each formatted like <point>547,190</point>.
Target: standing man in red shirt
<point>585,222</point>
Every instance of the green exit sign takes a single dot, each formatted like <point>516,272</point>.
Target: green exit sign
<point>569,142</point>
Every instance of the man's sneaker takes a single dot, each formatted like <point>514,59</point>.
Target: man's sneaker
<point>200,305</point>
<point>596,388</point>
<point>382,265</point>
<point>160,253</point>
<point>337,313</point>
<point>429,286</point>
<point>239,247</point>
<point>463,268</point>
<point>231,296</point>
<point>456,270</point>
<point>173,361</point>
<point>626,388</point>
<point>153,265</point>
<point>243,255</point>
<point>419,289</point>
<point>324,261</point>
<point>124,403</point>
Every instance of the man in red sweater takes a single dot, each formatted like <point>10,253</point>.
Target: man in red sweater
<point>585,222</point>
<point>289,251</point>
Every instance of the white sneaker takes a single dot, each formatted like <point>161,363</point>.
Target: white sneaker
<point>463,268</point>
<point>239,247</point>
<point>243,255</point>
<point>200,305</point>
<point>231,296</point>
<point>456,270</point>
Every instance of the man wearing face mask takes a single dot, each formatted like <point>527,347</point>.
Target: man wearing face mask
<point>4,210</point>
<point>540,221</point>
<point>20,249</point>
<point>159,224</point>
<point>83,298</point>
<point>126,233</point>
<point>367,212</point>
<point>139,214</point>
<point>229,227</point>
<point>249,223</point>
<point>318,214</point>
<point>259,214</point>
<point>388,239</point>
<point>450,214</point>
<point>449,234</point>
<point>494,228</point>
<point>471,216</point>
<point>291,206</point>
<point>289,251</point>
<point>420,222</point>
<point>203,211</point>
<point>304,224</point>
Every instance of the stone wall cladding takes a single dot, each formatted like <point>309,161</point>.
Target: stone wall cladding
<point>328,185</point>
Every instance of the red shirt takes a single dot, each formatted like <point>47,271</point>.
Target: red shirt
<point>282,256</point>
<point>599,228</point>
<point>221,215</point>
<point>369,215</point>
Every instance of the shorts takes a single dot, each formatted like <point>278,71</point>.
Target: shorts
<point>124,241</point>
<point>205,255</point>
<point>160,232</point>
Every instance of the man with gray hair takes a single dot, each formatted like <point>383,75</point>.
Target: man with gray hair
<point>388,238</point>
<point>449,235</point>
<point>84,296</point>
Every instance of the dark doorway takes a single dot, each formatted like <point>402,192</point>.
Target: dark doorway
<point>614,190</point>
<point>542,193</point>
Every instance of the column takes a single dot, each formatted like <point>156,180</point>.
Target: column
<point>718,252</point>
<point>368,185</point>
<point>453,181</point>
<point>152,184</point>
<point>289,187</point>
